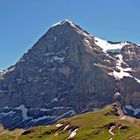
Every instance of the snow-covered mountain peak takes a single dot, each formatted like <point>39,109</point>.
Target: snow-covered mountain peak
<point>64,22</point>
<point>71,24</point>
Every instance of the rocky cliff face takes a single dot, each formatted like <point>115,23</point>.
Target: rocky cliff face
<point>67,72</point>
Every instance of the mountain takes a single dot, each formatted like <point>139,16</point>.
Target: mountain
<point>68,72</point>
<point>108,123</point>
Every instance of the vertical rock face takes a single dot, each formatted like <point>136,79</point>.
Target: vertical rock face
<point>68,72</point>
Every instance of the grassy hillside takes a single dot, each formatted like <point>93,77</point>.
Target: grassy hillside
<point>106,124</point>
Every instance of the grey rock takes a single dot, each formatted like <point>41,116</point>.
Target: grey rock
<point>63,74</point>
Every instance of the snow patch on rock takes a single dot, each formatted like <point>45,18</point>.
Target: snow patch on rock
<point>24,111</point>
<point>7,114</point>
<point>122,72</point>
<point>54,100</point>
<point>106,46</point>
<point>72,135</point>
<point>59,125</point>
<point>43,118</point>
<point>129,107</point>
<point>70,113</point>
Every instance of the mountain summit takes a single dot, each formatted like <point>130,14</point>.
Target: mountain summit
<point>68,72</point>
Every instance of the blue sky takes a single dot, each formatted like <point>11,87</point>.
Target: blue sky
<point>23,22</point>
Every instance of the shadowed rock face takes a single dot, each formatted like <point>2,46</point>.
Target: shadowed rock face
<point>63,74</point>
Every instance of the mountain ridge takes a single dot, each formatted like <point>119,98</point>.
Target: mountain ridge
<point>65,73</point>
